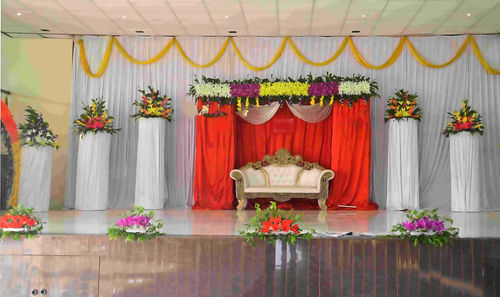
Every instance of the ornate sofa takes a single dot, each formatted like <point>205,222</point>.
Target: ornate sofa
<point>281,177</point>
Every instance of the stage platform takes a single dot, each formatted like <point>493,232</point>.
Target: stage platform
<point>228,222</point>
<point>203,256</point>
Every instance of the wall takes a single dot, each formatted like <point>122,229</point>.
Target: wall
<point>38,72</point>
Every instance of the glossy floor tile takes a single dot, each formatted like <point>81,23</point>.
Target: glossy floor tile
<point>228,222</point>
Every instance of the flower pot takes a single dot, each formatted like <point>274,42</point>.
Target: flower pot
<point>150,183</point>
<point>402,168</point>
<point>92,180</point>
<point>36,173</point>
<point>464,165</point>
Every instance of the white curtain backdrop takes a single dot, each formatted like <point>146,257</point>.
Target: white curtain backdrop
<point>36,169</point>
<point>402,167</point>
<point>439,90</point>
<point>150,183</point>
<point>464,168</point>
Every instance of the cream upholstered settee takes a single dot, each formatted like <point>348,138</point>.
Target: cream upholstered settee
<point>281,177</point>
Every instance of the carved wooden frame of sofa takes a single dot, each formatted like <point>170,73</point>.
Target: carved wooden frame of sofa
<point>282,177</point>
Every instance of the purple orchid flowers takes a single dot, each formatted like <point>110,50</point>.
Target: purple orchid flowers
<point>425,224</point>
<point>323,89</point>
<point>142,221</point>
<point>245,90</point>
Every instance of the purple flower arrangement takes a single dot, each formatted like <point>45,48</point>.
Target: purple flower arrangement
<point>245,90</point>
<point>425,227</point>
<point>136,225</point>
<point>425,224</point>
<point>323,89</point>
<point>140,221</point>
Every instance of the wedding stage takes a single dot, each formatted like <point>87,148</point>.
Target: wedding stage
<point>203,255</point>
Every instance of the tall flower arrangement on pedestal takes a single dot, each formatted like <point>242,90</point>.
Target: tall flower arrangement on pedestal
<point>465,119</point>
<point>403,106</point>
<point>153,105</point>
<point>95,118</point>
<point>36,132</point>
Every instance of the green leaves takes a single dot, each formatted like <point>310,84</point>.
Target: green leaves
<point>36,132</point>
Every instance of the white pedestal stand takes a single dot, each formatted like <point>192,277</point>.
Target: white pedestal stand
<point>150,182</point>
<point>92,180</point>
<point>36,173</point>
<point>464,163</point>
<point>402,173</point>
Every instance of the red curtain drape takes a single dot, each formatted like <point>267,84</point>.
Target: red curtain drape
<point>213,188</point>
<point>350,157</point>
<point>341,142</point>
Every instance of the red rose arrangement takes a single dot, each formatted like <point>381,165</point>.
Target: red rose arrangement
<point>20,221</point>
<point>274,224</point>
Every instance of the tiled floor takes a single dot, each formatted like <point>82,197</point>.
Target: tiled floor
<point>228,222</point>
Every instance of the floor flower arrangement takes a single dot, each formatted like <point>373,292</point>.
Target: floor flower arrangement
<point>136,225</point>
<point>274,224</point>
<point>425,227</point>
<point>19,222</point>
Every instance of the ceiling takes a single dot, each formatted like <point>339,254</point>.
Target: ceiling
<point>250,17</point>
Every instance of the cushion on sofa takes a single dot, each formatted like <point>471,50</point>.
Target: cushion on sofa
<point>282,190</point>
<point>282,175</point>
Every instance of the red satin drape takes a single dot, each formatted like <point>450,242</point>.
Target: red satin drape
<point>213,188</point>
<point>350,157</point>
<point>340,142</point>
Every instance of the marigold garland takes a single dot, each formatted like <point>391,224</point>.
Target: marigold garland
<point>347,41</point>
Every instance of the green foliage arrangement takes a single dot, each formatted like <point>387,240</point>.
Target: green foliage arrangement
<point>136,225</point>
<point>425,227</point>
<point>272,224</point>
<point>36,132</point>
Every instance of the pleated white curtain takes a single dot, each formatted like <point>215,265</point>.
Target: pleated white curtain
<point>440,90</point>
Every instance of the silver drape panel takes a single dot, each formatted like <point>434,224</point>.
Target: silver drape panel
<point>440,90</point>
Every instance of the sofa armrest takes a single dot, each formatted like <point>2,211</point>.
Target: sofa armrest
<point>239,177</point>
<point>325,175</point>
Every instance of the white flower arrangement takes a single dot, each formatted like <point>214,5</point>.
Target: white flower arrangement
<point>213,90</point>
<point>354,88</point>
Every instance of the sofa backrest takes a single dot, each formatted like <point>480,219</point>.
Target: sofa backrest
<point>310,178</point>
<point>254,177</point>
<point>282,176</point>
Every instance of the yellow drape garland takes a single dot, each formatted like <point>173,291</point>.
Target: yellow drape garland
<point>347,40</point>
